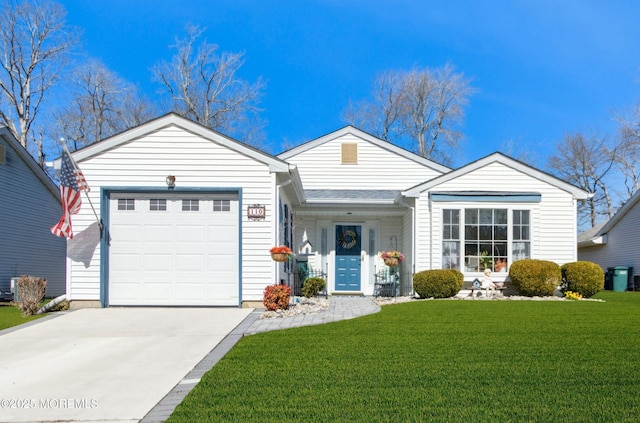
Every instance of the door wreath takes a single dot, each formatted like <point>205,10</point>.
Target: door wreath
<point>347,239</point>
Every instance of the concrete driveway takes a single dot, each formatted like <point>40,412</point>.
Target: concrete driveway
<point>110,364</point>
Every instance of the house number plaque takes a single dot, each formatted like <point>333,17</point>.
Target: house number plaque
<point>256,212</point>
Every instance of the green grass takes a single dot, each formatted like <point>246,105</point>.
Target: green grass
<point>12,316</point>
<point>443,361</point>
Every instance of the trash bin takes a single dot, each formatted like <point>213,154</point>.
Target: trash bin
<point>619,278</point>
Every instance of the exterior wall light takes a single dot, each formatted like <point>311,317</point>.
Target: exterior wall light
<point>171,181</point>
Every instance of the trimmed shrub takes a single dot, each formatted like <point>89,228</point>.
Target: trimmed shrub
<point>30,292</point>
<point>535,277</point>
<point>438,283</point>
<point>583,277</point>
<point>312,286</point>
<point>276,297</point>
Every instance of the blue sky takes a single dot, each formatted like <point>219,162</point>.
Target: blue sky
<point>541,68</point>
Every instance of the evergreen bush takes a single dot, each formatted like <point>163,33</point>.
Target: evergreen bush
<point>533,277</point>
<point>438,283</point>
<point>583,277</point>
<point>312,286</point>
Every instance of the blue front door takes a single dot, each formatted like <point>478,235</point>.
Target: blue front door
<point>348,248</point>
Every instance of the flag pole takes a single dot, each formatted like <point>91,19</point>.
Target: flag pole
<point>75,167</point>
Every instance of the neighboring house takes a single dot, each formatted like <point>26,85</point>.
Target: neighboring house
<point>29,206</point>
<point>349,195</point>
<point>612,243</point>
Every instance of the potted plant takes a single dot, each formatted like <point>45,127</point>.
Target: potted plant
<point>392,258</point>
<point>486,261</point>
<point>281,253</point>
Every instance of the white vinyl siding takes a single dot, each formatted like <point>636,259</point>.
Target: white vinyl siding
<point>553,219</point>
<point>377,168</point>
<point>196,163</point>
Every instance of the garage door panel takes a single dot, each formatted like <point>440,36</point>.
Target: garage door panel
<point>191,291</point>
<point>158,233</point>
<point>128,291</point>
<point>126,262</point>
<point>158,290</point>
<point>218,234</point>
<point>125,233</point>
<point>230,263</point>
<point>174,257</point>
<point>158,262</point>
<point>190,233</point>
<point>189,262</point>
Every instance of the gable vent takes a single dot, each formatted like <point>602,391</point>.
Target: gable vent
<point>2,154</point>
<point>349,153</point>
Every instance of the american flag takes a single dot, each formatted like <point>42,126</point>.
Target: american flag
<point>72,181</point>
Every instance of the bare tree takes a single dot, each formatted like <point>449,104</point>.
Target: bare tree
<point>34,42</point>
<point>102,104</point>
<point>628,160</point>
<point>421,106</point>
<point>204,86</point>
<point>380,115</point>
<point>587,163</point>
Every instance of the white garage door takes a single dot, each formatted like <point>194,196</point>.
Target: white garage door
<point>174,249</point>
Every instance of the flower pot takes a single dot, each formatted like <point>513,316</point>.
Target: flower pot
<point>391,261</point>
<point>279,257</point>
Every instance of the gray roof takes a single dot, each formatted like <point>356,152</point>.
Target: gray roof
<point>351,195</point>
<point>590,233</point>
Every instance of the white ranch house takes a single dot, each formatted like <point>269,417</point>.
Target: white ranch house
<point>206,240</point>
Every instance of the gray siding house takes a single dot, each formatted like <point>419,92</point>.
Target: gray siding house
<point>614,242</point>
<point>29,206</point>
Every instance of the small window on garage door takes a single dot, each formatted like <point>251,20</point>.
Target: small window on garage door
<point>190,204</point>
<point>221,205</point>
<point>157,204</point>
<point>126,204</point>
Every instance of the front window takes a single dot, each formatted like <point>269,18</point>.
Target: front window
<point>483,237</point>
<point>451,239</point>
<point>521,235</point>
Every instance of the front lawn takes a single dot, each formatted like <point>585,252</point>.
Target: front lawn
<point>12,316</point>
<point>441,361</point>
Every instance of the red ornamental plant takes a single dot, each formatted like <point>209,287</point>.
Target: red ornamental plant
<point>276,297</point>
<point>392,255</point>
<point>282,249</point>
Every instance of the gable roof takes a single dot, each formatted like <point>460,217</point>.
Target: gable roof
<point>595,234</point>
<point>28,159</point>
<point>507,161</point>
<point>350,130</point>
<point>173,119</point>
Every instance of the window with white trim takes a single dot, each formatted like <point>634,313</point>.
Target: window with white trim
<point>126,204</point>
<point>450,239</point>
<point>189,204</point>
<point>474,239</point>
<point>221,205</point>
<point>158,204</point>
<point>521,235</point>
<point>485,239</point>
